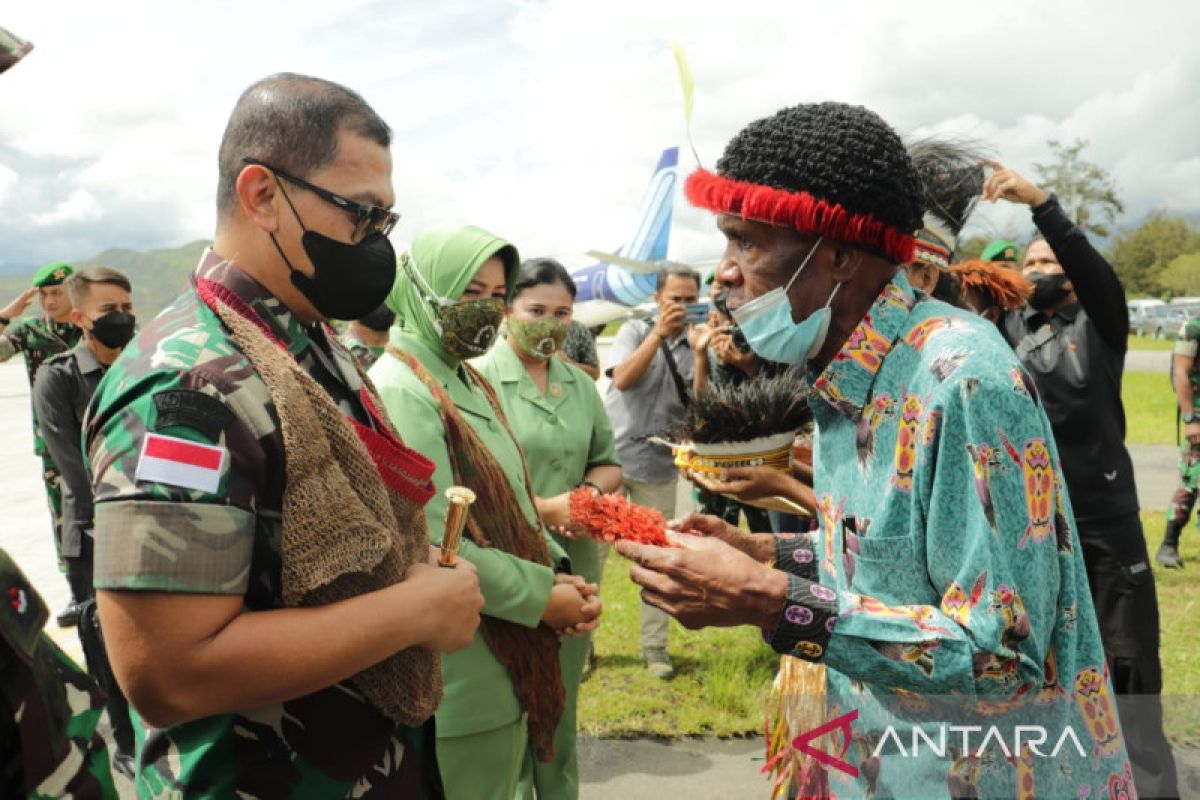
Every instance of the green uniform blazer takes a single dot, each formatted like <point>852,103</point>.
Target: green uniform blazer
<point>479,694</point>
<point>564,432</point>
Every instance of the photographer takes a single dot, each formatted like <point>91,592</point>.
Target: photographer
<point>653,368</point>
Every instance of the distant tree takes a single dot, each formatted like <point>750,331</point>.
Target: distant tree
<point>1140,255</point>
<point>1085,190</point>
<point>971,247</point>
<point>1182,275</point>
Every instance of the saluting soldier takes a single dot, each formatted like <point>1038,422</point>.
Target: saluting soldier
<point>38,338</point>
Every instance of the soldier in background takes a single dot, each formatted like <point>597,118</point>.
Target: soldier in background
<point>367,336</point>
<point>49,745</point>
<point>63,388</point>
<point>49,708</point>
<point>1185,378</point>
<point>38,338</point>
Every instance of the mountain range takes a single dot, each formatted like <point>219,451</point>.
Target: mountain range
<point>158,276</point>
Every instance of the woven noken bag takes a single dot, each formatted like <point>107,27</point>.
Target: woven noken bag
<point>345,533</point>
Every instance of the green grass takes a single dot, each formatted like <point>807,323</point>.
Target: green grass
<point>1149,408</point>
<point>1146,343</point>
<point>1178,607</point>
<point>723,676</point>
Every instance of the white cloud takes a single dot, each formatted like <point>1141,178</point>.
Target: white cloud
<point>79,208</point>
<point>542,120</point>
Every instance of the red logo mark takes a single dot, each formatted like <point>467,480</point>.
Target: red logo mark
<point>841,723</point>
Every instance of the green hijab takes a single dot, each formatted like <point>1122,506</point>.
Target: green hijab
<point>447,259</point>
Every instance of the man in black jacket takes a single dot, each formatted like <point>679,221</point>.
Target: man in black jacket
<point>1072,339</point>
<point>103,309</point>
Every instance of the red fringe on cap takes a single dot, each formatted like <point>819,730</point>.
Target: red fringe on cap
<point>799,210</point>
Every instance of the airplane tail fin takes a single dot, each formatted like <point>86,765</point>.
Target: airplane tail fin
<point>649,242</point>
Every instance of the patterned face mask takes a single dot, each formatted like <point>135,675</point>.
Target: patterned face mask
<point>469,327</point>
<point>540,338</point>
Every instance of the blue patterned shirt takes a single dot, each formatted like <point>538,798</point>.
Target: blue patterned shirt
<point>944,586</point>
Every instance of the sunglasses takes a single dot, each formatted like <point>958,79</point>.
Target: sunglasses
<point>368,218</point>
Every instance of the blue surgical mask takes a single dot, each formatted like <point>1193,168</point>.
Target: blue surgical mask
<point>767,323</point>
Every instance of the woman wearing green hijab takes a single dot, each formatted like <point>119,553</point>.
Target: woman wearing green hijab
<point>504,694</point>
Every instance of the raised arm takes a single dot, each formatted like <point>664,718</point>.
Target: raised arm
<point>1095,281</point>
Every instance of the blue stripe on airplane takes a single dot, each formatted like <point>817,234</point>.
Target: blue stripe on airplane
<point>649,243</point>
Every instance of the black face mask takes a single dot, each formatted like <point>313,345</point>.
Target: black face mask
<point>378,320</point>
<point>349,280</point>
<point>1048,290</point>
<point>114,329</point>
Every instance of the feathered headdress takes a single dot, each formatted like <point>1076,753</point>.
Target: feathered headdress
<point>759,407</point>
<point>951,174</point>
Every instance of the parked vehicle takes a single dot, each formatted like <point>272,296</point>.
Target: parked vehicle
<point>1165,321</point>
<point>1139,311</point>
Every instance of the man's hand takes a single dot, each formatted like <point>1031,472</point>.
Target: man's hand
<point>759,546</point>
<point>699,337</point>
<point>1191,432</point>
<point>1006,184</point>
<point>747,484</point>
<point>704,582</point>
<point>453,601</point>
<point>671,320</point>
<point>18,306</point>
<point>729,353</point>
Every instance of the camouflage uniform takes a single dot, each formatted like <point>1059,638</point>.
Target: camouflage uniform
<point>183,377</point>
<point>39,338</point>
<point>49,745</point>
<point>365,355</point>
<point>1189,462</point>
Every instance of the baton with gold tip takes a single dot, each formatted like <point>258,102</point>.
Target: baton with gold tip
<point>460,498</point>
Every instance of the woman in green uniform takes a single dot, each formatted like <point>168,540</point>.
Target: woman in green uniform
<point>560,423</point>
<point>504,694</point>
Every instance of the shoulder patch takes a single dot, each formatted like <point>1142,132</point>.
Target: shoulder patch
<point>179,462</point>
<point>190,408</point>
<point>23,613</point>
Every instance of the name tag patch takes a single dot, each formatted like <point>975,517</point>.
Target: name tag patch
<point>178,462</point>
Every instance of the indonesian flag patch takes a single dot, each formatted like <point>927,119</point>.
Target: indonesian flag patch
<point>178,462</point>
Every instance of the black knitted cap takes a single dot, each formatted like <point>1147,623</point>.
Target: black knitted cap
<point>839,171</point>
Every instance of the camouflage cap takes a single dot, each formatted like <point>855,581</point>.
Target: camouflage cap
<point>53,274</point>
<point>999,250</point>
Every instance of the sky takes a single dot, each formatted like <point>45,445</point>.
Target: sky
<point>542,120</point>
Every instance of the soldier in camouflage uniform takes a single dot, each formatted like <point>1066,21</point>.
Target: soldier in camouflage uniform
<point>38,338</point>
<point>236,693</point>
<point>49,708</point>
<point>49,745</point>
<point>1185,377</point>
<point>367,336</point>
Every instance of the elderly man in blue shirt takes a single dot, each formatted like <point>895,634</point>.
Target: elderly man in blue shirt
<point>943,586</point>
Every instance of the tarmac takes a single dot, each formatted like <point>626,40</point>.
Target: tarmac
<point>632,769</point>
